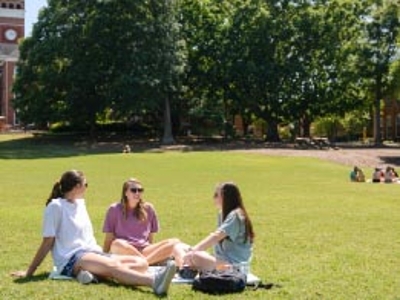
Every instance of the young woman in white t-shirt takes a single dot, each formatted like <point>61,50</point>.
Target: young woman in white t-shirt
<point>68,234</point>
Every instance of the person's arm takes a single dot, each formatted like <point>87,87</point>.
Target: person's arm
<point>151,238</point>
<point>229,227</point>
<point>44,249</point>
<point>212,239</point>
<point>153,219</point>
<point>109,237</point>
<point>109,227</point>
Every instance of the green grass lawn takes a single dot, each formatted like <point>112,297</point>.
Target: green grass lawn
<point>317,235</point>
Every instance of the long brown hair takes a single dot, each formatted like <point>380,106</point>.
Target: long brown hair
<point>232,200</point>
<point>140,210</point>
<point>67,182</point>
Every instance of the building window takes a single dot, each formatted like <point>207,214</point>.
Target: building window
<point>12,5</point>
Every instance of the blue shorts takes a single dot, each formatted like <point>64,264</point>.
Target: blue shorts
<point>68,269</point>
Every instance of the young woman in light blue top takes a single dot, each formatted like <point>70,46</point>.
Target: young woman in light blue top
<point>232,240</point>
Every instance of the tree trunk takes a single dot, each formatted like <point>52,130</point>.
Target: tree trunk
<point>168,138</point>
<point>93,133</point>
<point>377,118</point>
<point>306,124</point>
<point>272,131</point>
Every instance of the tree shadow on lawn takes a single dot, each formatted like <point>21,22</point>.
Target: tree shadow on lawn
<point>391,160</point>
<point>57,146</point>
<point>34,147</point>
<point>25,146</point>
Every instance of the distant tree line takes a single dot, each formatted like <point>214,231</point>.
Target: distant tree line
<point>175,63</point>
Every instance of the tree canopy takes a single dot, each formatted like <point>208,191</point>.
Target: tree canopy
<point>174,61</point>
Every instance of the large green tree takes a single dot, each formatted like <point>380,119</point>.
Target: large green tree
<point>325,78</point>
<point>82,60</point>
<point>205,26</point>
<point>394,85</point>
<point>65,61</point>
<point>278,60</point>
<point>167,51</point>
<point>379,50</point>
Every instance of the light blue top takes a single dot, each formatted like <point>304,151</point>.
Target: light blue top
<point>235,248</point>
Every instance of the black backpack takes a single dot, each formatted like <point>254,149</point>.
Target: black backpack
<point>220,282</point>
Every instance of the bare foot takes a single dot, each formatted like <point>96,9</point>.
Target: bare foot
<point>19,274</point>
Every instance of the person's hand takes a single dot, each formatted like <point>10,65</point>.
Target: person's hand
<point>19,274</point>
<point>188,258</point>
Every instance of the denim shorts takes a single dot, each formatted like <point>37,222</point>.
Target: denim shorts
<point>68,269</point>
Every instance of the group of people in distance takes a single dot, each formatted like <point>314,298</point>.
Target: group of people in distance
<point>129,247</point>
<point>388,175</point>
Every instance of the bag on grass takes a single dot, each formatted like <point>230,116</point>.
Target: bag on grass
<point>220,282</point>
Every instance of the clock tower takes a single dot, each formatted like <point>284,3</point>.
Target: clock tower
<point>12,23</point>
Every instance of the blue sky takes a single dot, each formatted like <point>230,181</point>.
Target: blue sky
<point>32,8</point>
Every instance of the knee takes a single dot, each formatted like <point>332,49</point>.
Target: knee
<point>180,246</point>
<point>118,243</point>
<point>119,246</point>
<point>174,241</point>
<point>139,261</point>
<point>131,262</point>
<point>142,264</point>
<point>177,246</point>
<point>113,266</point>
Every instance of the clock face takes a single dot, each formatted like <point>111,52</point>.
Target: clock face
<point>10,34</point>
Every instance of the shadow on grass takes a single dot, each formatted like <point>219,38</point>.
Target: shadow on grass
<point>266,286</point>
<point>391,160</point>
<point>34,146</point>
<point>35,278</point>
<point>56,146</point>
<point>112,284</point>
<point>45,276</point>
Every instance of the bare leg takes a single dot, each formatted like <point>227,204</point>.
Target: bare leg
<point>160,251</point>
<point>122,247</point>
<point>113,267</point>
<point>134,262</point>
<point>202,260</point>
<point>117,267</point>
<point>179,251</point>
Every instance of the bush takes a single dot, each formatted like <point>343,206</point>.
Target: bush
<point>120,128</point>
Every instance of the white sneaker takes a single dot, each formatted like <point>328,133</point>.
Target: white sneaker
<point>85,277</point>
<point>163,278</point>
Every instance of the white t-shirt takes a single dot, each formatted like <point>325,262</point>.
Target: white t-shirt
<point>70,224</point>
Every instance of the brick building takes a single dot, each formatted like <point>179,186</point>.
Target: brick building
<point>12,22</point>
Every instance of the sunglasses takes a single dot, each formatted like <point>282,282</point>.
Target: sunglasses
<point>136,190</point>
<point>86,184</point>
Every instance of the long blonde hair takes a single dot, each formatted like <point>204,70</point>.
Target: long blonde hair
<point>140,210</point>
